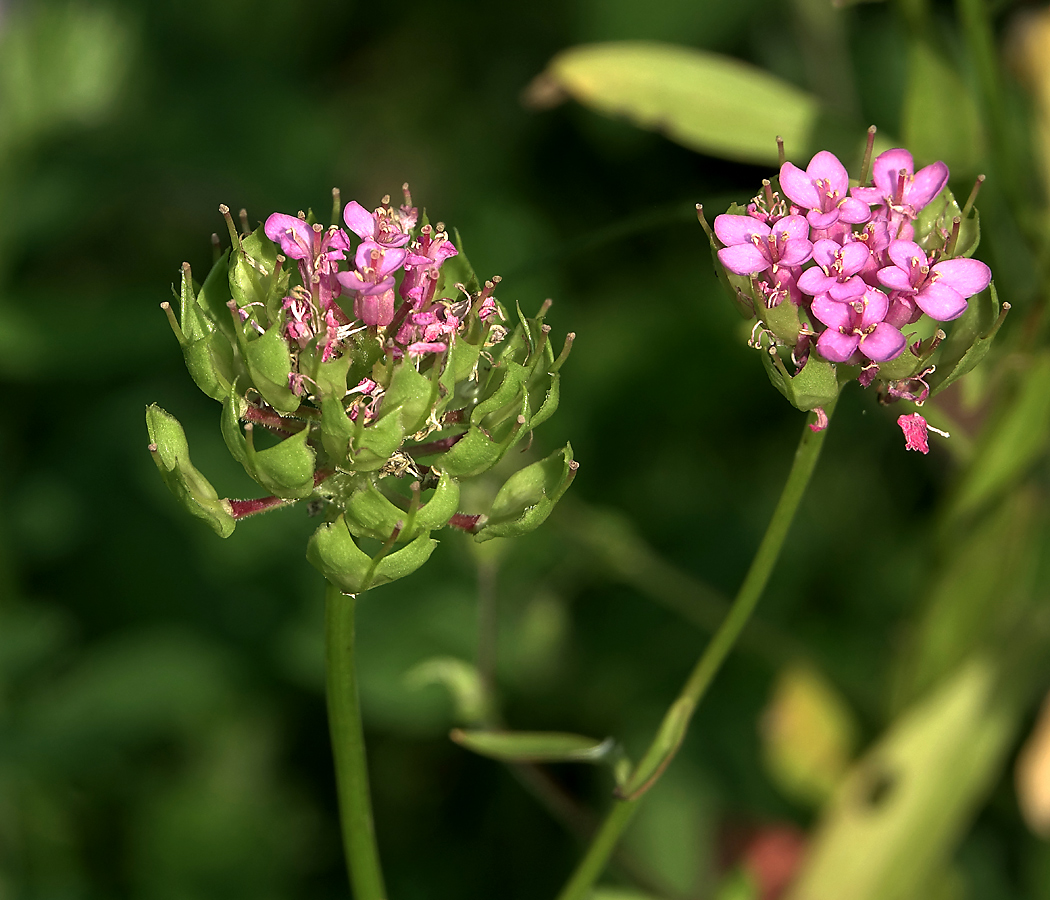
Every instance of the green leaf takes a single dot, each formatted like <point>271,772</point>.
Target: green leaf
<point>528,496</point>
<point>252,281</point>
<point>660,753</point>
<point>207,351</point>
<point>704,101</point>
<point>330,377</point>
<point>337,430</point>
<point>333,551</point>
<point>171,453</point>
<point>909,798</point>
<point>502,400</point>
<point>474,454</point>
<point>375,442</point>
<point>549,404</point>
<point>1012,443</point>
<point>214,295</point>
<point>230,424</point>
<point>815,385</point>
<point>370,514</point>
<point>270,364</point>
<point>404,561</point>
<point>970,339</point>
<point>410,395</point>
<point>534,746</point>
<point>287,469</point>
<point>461,679</point>
<point>933,226</point>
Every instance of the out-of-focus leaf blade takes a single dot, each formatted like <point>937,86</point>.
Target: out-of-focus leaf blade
<point>533,746</point>
<point>702,100</point>
<point>895,817</point>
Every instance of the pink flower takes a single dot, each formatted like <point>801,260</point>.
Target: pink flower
<point>823,189</point>
<point>384,226</point>
<point>857,326</point>
<point>901,190</point>
<point>941,290</point>
<point>317,250</point>
<point>753,247</point>
<point>836,271</point>
<point>422,264</point>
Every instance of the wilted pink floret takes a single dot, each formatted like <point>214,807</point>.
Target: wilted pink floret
<point>915,432</point>
<point>857,325</point>
<point>903,191</point>
<point>823,189</point>
<point>753,247</point>
<point>941,290</point>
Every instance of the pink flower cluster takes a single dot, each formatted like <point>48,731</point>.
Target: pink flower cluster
<point>408,316</point>
<point>867,278</point>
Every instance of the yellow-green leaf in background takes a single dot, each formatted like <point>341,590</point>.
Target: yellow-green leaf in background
<point>702,100</point>
<point>890,828</point>
<point>808,734</point>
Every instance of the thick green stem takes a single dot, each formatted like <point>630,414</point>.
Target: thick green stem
<point>348,748</point>
<point>594,862</point>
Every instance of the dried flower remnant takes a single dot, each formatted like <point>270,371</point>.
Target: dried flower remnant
<point>382,375</point>
<point>860,265</point>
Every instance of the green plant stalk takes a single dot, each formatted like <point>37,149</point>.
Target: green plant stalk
<point>348,748</point>
<point>594,861</point>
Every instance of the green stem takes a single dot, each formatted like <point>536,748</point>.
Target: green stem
<point>348,748</point>
<point>594,862</point>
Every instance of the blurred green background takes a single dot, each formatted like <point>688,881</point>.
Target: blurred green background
<point>162,728</point>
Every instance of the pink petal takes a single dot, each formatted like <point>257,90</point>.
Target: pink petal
<point>391,261</point>
<point>882,344</point>
<point>868,195</point>
<point>825,165</point>
<point>825,252</point>
<point>887,166</point>
<point>813,281</point>
<point>798,186</point>
<point>847,290</point>
<point>876,305</point>
<point>819,219</point>
<point>834,315</point>
<point>940,302</point>
<point>926,185</point>
<point>743,259</point>
<point>967,276</point>
<point>359,220</point>
<point>795,252</point>
<point>855,256</point>
<point>904,252</point>
<point>835,346</point>
<point>293,235</point>
<point>896,278</point>
<point>853,211</point>
<point>732,230</point>
<point>791,228</point>
<point>902,311</point>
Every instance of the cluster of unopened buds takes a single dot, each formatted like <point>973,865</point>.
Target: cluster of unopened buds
<point>370,380</point>
<point>848,281</point>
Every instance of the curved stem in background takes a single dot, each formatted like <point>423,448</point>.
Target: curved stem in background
<point>593,864</point>
<point>348,748</point>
